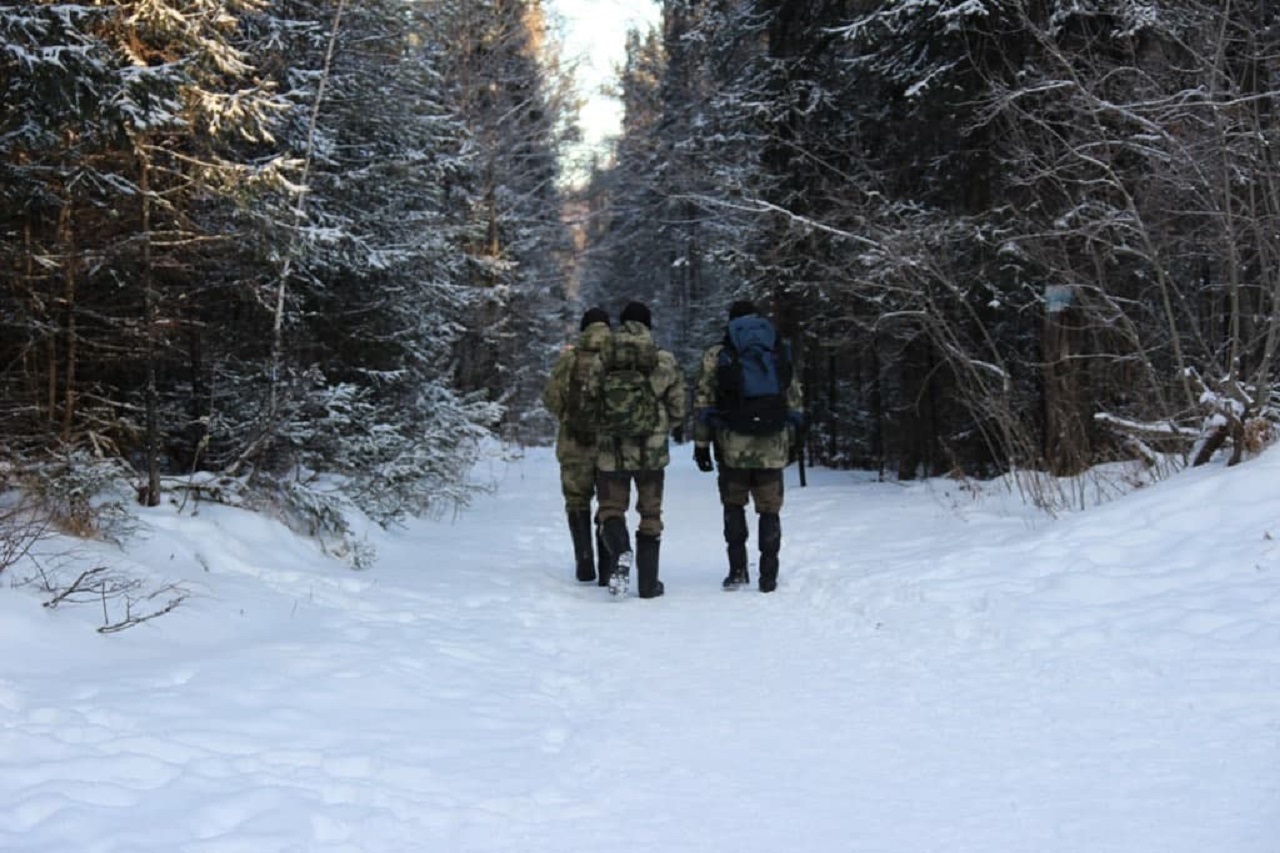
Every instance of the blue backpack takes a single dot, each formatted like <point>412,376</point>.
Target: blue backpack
<point>753,373</point>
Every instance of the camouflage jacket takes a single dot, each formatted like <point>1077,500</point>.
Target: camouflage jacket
<point>667,380</point>
<point>736,450</point>
<point>555,396</point>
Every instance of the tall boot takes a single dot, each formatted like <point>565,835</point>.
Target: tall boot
<point>770,544</point>
<point>735,538</point>
<point>583,554</point>
<point>618,543</point>
<point>647,548</point>
<point>604,568</point>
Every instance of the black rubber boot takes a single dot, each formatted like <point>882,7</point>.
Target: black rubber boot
<point>583,554</point>
<point>647,549</point>
<point>735,537</point>
<point>618,543</point>
<point>603,567</point>
<point>770,544</point>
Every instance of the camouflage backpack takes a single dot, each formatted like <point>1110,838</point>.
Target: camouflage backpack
<point>580,410</point>
<point>628,406</point>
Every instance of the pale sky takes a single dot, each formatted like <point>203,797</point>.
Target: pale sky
<point>595,33</point>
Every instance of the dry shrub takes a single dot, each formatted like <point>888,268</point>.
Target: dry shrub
<point>1259,433</point>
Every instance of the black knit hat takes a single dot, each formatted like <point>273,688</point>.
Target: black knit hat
<point>741,308</point>
<point>636,312</point>
<point>594,315</point>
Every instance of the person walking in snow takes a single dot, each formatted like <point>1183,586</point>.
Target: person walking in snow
<point>641,398</point>
<point>748,406</point>
<point>567,397</point>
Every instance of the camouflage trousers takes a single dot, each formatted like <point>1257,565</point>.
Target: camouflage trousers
<point>615,497</point>
<point>762,485</point>
<point>578,482</point>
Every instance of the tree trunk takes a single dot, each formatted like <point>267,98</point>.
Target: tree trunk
<point>1066,446</point>
<point>147,281</point>
<point>917,427</point>
<point>69,269</point>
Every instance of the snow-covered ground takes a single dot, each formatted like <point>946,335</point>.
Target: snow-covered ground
<point>940,670</point>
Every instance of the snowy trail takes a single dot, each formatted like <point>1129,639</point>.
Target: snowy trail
<point>937,672</point>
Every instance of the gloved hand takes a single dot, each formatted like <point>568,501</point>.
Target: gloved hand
<point>677,433</point>
<point>702,456</point>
